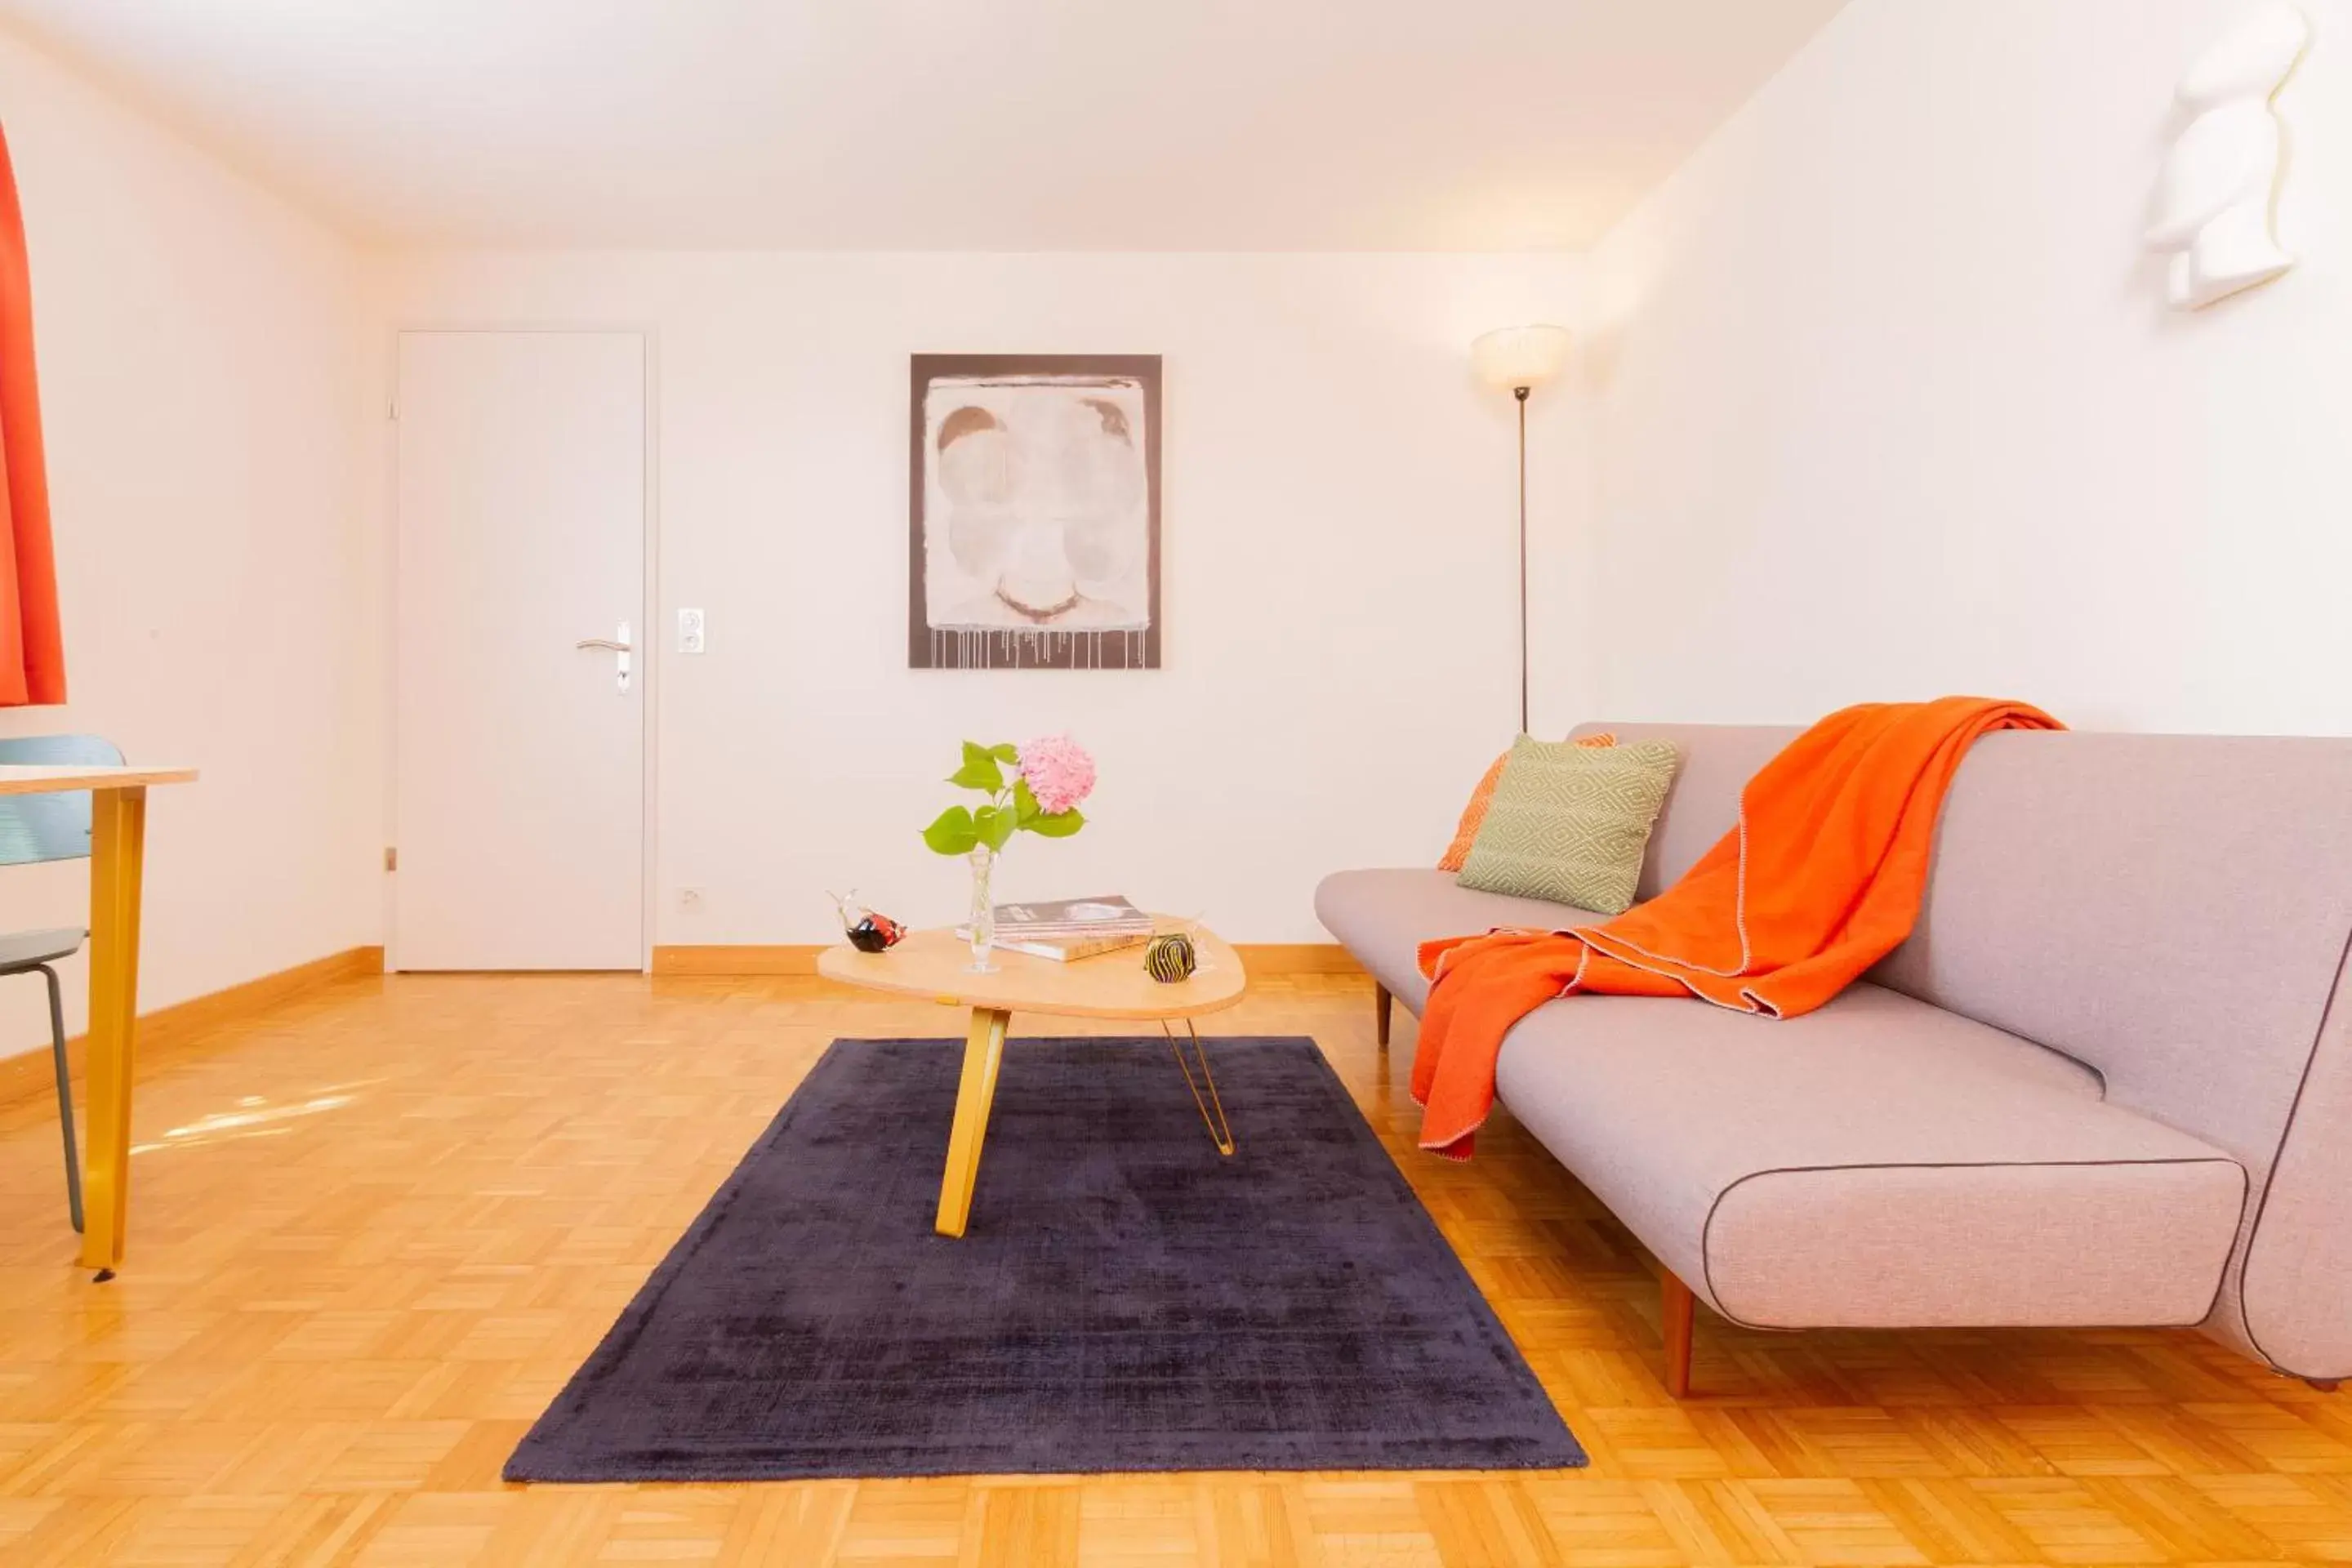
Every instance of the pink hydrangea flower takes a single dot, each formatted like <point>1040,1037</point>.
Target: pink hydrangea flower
<point>1060,771</point>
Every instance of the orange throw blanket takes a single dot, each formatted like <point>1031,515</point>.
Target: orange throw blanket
<point>1821,879</point>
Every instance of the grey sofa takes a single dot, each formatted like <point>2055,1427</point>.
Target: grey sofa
<point>2107,1080</point>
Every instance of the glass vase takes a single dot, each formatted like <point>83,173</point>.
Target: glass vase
<point>983,911</point>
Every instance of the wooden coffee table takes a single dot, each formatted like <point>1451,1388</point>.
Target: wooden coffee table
<point>937,965</point>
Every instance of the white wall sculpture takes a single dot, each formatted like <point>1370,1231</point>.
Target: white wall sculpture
<point>2215,196</point>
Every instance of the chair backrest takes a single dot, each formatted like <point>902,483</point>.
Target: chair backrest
<point>51,827</point>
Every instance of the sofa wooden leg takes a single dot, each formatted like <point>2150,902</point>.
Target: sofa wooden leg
<point>1381,1003</point>
<point>1676,1308</point>
<point>2325,1384</point>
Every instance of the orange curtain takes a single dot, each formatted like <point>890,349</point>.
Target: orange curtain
<point>32,649</point>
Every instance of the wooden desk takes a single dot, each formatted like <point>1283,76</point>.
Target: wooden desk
<point>937,965</point>
<point>117,845</point>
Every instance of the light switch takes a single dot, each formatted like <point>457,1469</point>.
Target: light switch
<point>689,631</point>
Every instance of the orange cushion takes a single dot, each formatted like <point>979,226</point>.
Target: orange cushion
<point>1473,816</point>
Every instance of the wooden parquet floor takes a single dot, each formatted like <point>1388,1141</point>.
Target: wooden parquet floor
<point>375,1229</point>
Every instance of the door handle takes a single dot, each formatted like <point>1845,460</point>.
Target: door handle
<point>620,651</point>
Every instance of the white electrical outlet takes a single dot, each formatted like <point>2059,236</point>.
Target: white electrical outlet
<point>689,631</point>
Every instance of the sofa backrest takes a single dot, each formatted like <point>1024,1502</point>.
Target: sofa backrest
<point>2173,910</point>
<point>1716,762</point>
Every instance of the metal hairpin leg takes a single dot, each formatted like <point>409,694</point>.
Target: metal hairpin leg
<point>65,1095</point>
<point>1221,1131</point>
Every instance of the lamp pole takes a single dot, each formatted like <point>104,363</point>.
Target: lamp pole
<point>1522,359</point>
<point>1521,393</point>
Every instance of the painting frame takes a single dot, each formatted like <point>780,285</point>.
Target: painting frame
<point>1044,647</point>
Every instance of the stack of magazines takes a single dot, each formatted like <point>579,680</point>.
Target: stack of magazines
<point>1069,928</point>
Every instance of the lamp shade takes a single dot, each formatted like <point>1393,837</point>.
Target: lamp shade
<point>1514,357</point>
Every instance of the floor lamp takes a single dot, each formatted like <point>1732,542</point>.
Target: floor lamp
<point>1521,359</point>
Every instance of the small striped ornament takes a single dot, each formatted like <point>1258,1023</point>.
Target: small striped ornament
<point>1171,958</point>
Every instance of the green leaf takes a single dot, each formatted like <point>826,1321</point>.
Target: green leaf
<point>994,826</point>
<point>980,769</point>
<point>1061,825</point>
<point>1008,755</point>
<point>953,834</point>
<point>1026,808</point>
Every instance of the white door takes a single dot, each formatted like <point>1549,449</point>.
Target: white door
<point>518,752</point>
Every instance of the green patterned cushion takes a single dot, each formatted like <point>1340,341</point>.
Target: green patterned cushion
<point>1569,823</point>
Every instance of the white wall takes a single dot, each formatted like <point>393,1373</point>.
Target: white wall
<point>1340,654</point>
<point>1886,403</point>
<point>1875,399</point>
<point>201,360</point>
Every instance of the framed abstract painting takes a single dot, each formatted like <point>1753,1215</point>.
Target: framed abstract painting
<point>1034,501</point>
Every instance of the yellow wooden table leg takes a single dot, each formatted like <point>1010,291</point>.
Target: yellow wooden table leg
<point>118,831</point>
<point>983,1052</point>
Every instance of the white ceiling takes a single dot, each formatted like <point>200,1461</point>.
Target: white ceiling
<point>946,124</point>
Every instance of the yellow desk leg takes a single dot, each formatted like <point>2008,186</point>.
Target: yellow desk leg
<point>118,831</point>
<point>983,1052</point>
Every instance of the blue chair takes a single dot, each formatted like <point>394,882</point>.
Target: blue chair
<point>34,827</point>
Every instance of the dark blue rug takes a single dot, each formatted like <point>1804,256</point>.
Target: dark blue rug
<point>1124,1299</point>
